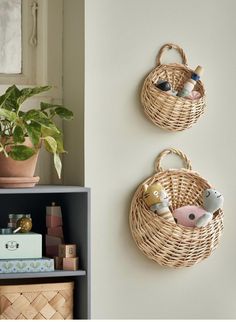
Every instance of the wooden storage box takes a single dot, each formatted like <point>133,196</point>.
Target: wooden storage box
<point>51,301</point>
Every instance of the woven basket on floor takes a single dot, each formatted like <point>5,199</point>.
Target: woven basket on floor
<point>52,301</point>
<point>166,111</point>
<point>167,243</point>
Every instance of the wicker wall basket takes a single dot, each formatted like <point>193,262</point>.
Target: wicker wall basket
<point>167,243</point>
<point>52,301</point>
<point>166,111</point>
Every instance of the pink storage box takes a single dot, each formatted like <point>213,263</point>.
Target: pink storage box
<point>55,231</point>
<point>53,221</point>
<point>52,251</point>
<point>52,243</point>
<point>53,211</point>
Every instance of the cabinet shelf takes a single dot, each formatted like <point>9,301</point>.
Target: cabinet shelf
<point>45,189</point>
<point>75,206</point>
<point>56,273</point>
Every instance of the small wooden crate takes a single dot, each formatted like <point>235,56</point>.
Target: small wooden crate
<point>52,301</point>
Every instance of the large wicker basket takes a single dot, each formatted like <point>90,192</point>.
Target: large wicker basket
<point>167,243</point>
<point>164,110</point>
<point>52,301</point>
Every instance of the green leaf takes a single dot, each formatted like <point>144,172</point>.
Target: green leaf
<point>33,114</point>
<point>18,135</point>
<point>9,115</point>
<point>21,114</point>
<point>14,89</point>
<point>28,92</point>
<point>9,99</point>
<point>64,113</point>
<point>60,145</point>
<point>57,135</point>
<point>60,110</point>
<point>21,152</point>
<point>50,131</point>
<point>34,132</point>
<point>57,164</point>
<point>46,114</point>
<point>44,106</point>
<point>50,144</point>
<point>38,117</point>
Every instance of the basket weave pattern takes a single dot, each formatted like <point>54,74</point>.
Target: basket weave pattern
<point>164,242</point>
<point>169,112</point>
<point>37,302</point>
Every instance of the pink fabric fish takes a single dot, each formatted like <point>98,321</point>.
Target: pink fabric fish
<point>188,215</point>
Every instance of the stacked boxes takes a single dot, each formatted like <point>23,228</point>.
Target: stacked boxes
<point>66,258</point>
<point>22,252</point>
<point>54,235</point>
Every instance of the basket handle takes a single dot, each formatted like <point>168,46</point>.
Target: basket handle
<point>171,46</point>
<point>165,152</point>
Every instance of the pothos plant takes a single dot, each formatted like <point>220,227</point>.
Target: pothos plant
<point>37,123</point>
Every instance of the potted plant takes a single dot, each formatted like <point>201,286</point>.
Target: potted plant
<point>22,133</point>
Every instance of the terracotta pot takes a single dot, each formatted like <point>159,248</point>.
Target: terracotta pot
<point>13,168</point>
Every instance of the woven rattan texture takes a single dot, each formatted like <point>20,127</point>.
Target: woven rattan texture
<point>169,112</point>
<point>171,244</point>
<point>39,302</point>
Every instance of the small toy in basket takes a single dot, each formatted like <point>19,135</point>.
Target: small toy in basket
<point>195,216</point>
<point>190,84</point>
<point>157,200</point>
<point>166,242</point>
<point>162,107</point>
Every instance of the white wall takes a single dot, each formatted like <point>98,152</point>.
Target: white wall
<point>122,39</point>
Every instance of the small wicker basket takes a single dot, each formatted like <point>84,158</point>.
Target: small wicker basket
<point>167,243</point>
<point>48,301</point>
<point>169,112</point>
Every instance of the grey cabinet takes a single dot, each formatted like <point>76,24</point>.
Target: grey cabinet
<point>75,205</point>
